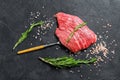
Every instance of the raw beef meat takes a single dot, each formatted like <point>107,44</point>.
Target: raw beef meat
<point>81,39</point>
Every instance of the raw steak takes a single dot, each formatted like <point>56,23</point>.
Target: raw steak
<point>81,39</point>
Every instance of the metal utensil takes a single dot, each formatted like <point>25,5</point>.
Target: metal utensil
<point>36,48</point>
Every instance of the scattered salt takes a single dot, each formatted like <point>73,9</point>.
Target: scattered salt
<point>100,47</point>
<point>109,25</point>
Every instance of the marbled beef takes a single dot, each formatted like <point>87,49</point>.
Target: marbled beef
<point>81,39</point>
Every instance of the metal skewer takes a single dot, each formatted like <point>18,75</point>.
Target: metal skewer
<point>36,48</point>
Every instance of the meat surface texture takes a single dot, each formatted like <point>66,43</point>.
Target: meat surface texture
<point>81,39</point>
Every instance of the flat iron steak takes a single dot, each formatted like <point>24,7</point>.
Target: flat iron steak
<point>81,39</point>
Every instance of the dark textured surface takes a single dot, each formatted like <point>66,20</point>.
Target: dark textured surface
<point>14,16</point>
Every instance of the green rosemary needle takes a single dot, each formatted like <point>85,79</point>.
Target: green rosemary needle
<point>24,35</point>
<point>63,62</point>
<point>75,29</point>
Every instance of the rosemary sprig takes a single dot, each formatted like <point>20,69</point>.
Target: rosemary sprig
<point>75,29</point>
<point>63,62</point>
<point>25,34</point>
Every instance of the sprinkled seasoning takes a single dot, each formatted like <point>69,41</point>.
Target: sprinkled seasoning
<point>41,31</point>
<point>44,28</point>
<point>100,47</point>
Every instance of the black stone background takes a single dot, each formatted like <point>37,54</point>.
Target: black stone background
<point>14,16</point>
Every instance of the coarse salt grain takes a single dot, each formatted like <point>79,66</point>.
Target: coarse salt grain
<point>99,70</point>
<point>40,39</point>
<point>30,43</point>
<point>87,55</point>
<point>36,16</point>
<point>90,69</point>
<point>112,57</point>
<point>99,36</point>
<point>81,75</point>
<point>115,44</point>
<point>104,26</point>
<point>38,30</point>
<point>25,26</point>
<point>113,52</point>
<point>106,37</point>
<point>38,13</point>
<point>99,58</point>
<point>57,48</point>
<point>96,73</point>
<point>106,31</point>
<point>78,70</point>
<point>102,19</point>
<point>105,62</point>
<point>38,34</point>
<point>35,37</point>
<point>43,7</point>
<point>97,21</point>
